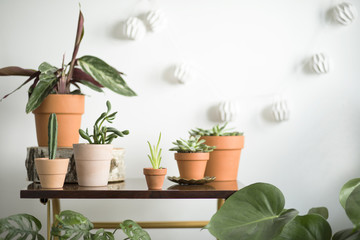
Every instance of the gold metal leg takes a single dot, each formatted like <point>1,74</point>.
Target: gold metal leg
<point>55,208</point>
<point>48,220</point>
<point>220,202</point>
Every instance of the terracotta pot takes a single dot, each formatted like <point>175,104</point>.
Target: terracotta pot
<point>155,177</point>
<point>192,165</point>
<point>68,109</point>
<point>224,160</point>
<point>92,163</point>
<point>52,172</point>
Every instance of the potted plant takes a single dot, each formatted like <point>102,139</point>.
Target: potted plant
<point>50,91</point>
<point>192,156</point>
<point>224,160</point>
<point>93,159</point>
<point>52,171</point>
<point>155,176</point>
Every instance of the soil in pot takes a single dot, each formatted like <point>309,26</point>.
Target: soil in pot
<point>52,172</point>
<point>155,178</point>
<point>192,165</point>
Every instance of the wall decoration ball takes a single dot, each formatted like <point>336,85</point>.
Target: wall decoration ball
<point>156,20</point>
<point>320,63</point>
<point>229,111</point>
<point>345,13</point>
<point>184,73</point>
<point>134,29</point>
<point>280,110</point>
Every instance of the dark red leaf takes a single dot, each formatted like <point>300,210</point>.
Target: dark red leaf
<point>81,75</point>
<point>16,71</point>
<point>34,75</point>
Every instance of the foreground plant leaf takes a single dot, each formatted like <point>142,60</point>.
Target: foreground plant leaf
<point>322,211</point>
<point>347,234</point>
<point>134,231</point>
<point>352,207</point>
<point>255,212</point>
<point>106,75</point>
<point>20,226</point>
<point>347,189</point>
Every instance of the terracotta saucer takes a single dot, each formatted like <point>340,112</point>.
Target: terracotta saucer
<point>183,181</point>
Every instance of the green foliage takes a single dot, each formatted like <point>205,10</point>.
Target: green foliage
<point>194,144</point>
<point>134,231</point>
<point>102,134</point>
<point>52,135</point>
<point>214,131</point>
<point>20,226</point>
<point>155,154</point>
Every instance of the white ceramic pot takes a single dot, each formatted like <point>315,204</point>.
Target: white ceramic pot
<point>92,163</point>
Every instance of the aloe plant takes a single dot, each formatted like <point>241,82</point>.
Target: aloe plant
<point>192,145</point>
<point>155,154</point>
<point>87,70</point>
<point>102,134</point>
<point>52,135</point>
<point>217,130</point>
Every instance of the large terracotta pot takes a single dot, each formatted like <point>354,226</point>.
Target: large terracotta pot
<point>92,163</point>
<point>224,160</point>
<point>192,165</point>
<point>155,178</point>
<point>68,109</point>
<point>52,172</point>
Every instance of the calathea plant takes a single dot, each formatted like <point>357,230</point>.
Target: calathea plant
<point>102,134</point>
<point>87,70</point>
<point>217,130</point>
<point>192,145</point>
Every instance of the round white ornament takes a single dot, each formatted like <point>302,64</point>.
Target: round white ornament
<point>229,111</point>
<point>320,63</point>
<point>280,110</point>
<point>345,13</point>
<point>134,28</point>
<point>184,73</point>
<point>156,20</point>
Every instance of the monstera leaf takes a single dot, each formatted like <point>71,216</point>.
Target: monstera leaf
<point>255,212</point>
<point>134,231</point>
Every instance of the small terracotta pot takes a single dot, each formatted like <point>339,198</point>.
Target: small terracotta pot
<point>192,165</point>
<point>68,109</point>
<point>155,177</point>
<point>92,163</point>
<point>224,160</point>
<point>52,172</point>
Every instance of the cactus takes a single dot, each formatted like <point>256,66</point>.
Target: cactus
<point>215,131</point>
<point>52,135</point>
<point>193,145</point>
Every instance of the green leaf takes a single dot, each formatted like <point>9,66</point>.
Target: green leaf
<point>47,68</point>
<point>347,189</point>
<point>352,207</point>
<point>105,74</point>
<point>322,211</point>
<point>134,231</point>
<point>20,226</point>
<point>41,91</point>
<point>85,135</point>
<point>347,234</point>
<point>52,135</point>
<point>255,212</point>
<point>101,234</point>
<point>92,86</point>
<point>308,227</point>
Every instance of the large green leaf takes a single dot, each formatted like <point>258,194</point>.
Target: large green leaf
<point>255,212</point>
<point>347,189</point>
<point>134,231</point>
<point>308,227</point>
<point>352,207</point>
<point>105,74</point>
<point>347,234</point>
<point>20,226</point>
<point>322,211</point>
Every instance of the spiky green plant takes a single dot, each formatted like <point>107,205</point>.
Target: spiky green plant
<point>100,133</point>
<point>217,130</point>
<point>194,144</point>
<point>155,154</point>
<point>52,135</point>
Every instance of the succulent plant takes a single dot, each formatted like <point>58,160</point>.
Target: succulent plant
<point>100,133</point>
<point>194,144</point>
<point>215,131</point>
<point>52,135</point>
<point>155,157</point>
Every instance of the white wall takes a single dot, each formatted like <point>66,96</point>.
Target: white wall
<point>247,51</point>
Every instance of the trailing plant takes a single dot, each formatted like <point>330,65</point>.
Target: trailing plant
<point>102,134</point>
<point>193,145</point>
<point>155,154</point>
<point>217,130</point>
<point>52,135</point>
<point>87,70</point>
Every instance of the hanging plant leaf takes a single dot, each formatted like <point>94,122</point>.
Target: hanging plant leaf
<point>347,189</point>
<point>134,231</point>
<point>105,74</point>
<point>20,226</point>
<point>255,212</point>
<point>352,207</point>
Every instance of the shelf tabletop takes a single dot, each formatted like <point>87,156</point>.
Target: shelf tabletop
<point>135,189</point>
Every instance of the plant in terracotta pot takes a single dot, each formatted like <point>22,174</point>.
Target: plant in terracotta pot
<point>224,160</point>
<point>93,159</point>
<point>192,156</point>
<point>50,91</point>
<point>52,170</point>
<point>155,176</point>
